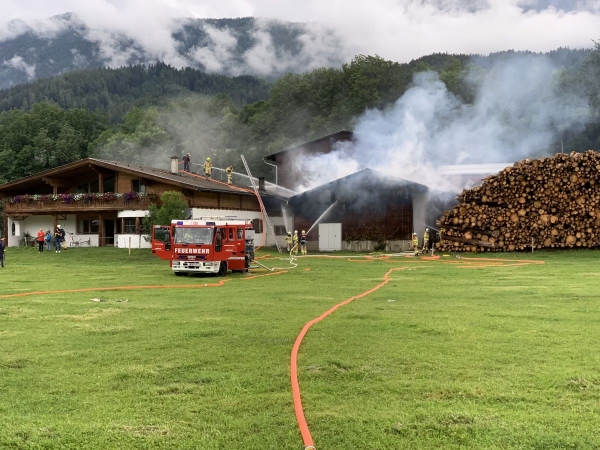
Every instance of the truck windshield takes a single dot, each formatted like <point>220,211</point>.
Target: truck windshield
<point>193,235</point>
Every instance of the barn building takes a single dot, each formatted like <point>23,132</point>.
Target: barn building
<point>374,212</point>
<point>371,207</point>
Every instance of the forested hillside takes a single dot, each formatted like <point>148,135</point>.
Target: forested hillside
<point>115,91</point>
<point>168,117</point>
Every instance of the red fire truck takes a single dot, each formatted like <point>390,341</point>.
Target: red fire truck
<point>205,245</point>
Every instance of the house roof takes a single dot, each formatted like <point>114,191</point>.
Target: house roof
<point>92,166</point>
<point>361,180</point>
<point>343,135</point>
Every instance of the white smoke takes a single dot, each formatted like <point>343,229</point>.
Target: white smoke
<point>516,114</point>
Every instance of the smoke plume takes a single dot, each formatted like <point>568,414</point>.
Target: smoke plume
<point>516,113</point>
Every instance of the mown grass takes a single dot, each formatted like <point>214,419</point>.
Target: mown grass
<point>443,356</point>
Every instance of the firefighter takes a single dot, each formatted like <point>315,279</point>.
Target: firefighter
<point>426,240</point>
<point>415,243</point>
<point>229,172</point>
<point>295,241</point>
<point>288,241</point>
<point>207,168</point>
<point>303,243</point>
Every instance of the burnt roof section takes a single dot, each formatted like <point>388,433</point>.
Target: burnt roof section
<point>342,135</point>
<point>363,180</point>
<point>70,172</point>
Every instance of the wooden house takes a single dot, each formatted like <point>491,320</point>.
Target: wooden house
<point>101,203</point>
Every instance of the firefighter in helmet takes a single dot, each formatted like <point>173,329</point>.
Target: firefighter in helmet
<point>303,243</point>
<point>415,243</point>
<point>426,240</point>
<point>229,172</point>
<point>288,241</point>
<point>207,168</point>
<point>295,241</point>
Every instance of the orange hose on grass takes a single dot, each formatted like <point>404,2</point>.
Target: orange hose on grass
<point>132,288</point>
<point>298,409</point>
<point>306,436</point>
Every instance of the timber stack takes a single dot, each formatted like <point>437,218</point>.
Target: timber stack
<point>550,202</point>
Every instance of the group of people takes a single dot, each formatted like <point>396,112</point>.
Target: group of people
<point>45,237</point>
<point>415,242</point>
<point>294,241</point>
<point>186,160</point>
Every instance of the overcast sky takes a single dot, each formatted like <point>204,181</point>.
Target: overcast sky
<point>400,30</point>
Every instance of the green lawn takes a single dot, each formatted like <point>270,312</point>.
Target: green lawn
<point>443,357</point>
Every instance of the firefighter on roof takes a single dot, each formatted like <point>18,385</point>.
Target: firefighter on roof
<point>426,240</point>
<point>288,241</point>
<point>295,241</point>
<point>229,172</point>
<point>207,168</point>
<point>303,243</point>
<point>415,243</point>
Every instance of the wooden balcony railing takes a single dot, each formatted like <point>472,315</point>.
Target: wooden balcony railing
<point>96,204</point>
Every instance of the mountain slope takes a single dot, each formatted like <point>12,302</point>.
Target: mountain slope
<point>260,47</point>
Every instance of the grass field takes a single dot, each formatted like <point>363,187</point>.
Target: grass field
<point>445,356</point>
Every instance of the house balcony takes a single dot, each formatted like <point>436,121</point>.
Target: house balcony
<point>72,203</point>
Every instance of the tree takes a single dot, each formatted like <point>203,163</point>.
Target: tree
<point>173,207</point>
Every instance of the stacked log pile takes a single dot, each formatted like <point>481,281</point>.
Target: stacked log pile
<point>537,203</point>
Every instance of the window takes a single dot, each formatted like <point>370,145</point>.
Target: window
<point>257,225</point>
<point>108,184</point>
<point>129,225</point>
<point>240,233</point>
<point>275,212</point>
<point>231,234</point>
<point>189,235</point>
<point>94,186</point>
<point>279,230</point>
<point>88,226</point>
<point>138,186</point>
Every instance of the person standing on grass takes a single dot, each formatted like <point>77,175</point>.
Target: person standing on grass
<point>48,239</point>
<point>426,240</point>
<point>59,237</point>
<point>40,240</point>
<point>2,246</point>
<point>295,241</point>
<point>303,243</point>
<point>415,243</point>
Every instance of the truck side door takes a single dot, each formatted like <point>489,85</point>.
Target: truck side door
<point>161,241</point>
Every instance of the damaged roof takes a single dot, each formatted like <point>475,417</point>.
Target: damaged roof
<point>341,135</point>
<point>365,179</point>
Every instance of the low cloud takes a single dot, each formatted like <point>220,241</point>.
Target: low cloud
<point>330,33</point>
<point>17,62</point>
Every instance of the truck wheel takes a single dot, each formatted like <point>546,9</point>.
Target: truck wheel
<point>178,274</point>
<point>222,269</point>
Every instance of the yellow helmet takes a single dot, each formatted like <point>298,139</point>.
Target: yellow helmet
<point>208,159</point>
<point>303,231</point>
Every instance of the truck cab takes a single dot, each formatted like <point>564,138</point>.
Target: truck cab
<point>203,246</point>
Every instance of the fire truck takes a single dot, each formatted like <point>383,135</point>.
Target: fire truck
<point>209,246</point>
